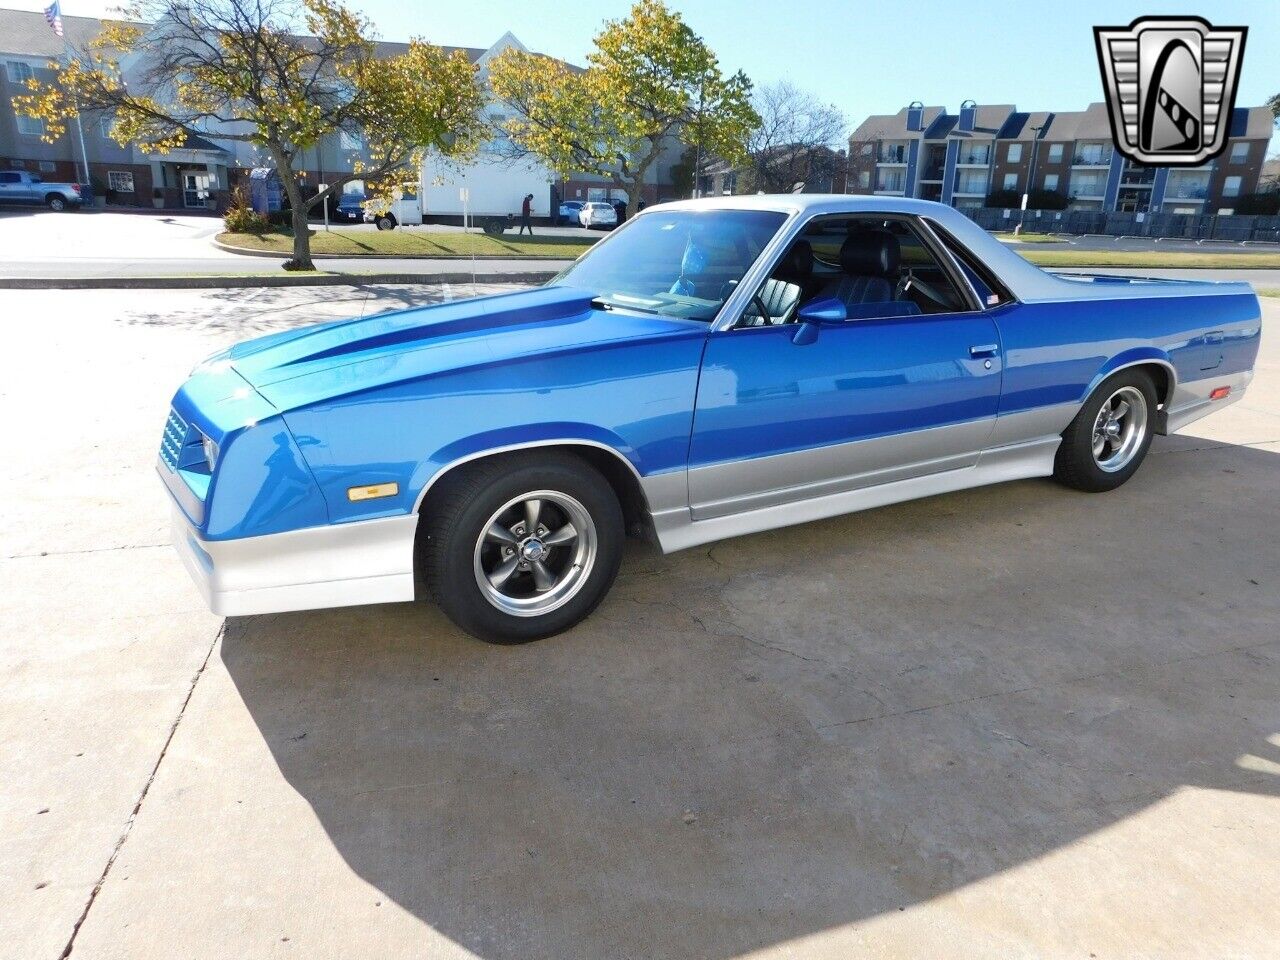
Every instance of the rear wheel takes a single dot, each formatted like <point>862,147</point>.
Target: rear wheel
<point>1109,438</point>
<point>56,203</point>
<point>518,550</point>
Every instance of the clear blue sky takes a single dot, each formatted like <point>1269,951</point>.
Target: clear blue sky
<point>866,57</point>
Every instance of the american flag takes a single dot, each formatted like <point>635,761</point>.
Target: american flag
<point>53,13</point>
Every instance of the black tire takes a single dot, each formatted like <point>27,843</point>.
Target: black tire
<point>456,516</point>
<point>56,203</point>
<point>1076,464</point>
<point>385,222</point>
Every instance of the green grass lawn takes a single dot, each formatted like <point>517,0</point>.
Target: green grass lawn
<point>437,243</point>
<point>1155,258</point>
<point>422,243</point>
<point>1030,237</point>
<point>1269,291</point>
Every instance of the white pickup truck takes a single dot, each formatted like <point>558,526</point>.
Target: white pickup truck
<point>20,188</point>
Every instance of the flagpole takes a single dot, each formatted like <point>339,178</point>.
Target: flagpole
<point>75,101</point>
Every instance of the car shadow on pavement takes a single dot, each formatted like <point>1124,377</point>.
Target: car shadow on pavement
<point>794,731</point>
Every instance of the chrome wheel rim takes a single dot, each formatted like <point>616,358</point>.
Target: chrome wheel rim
<point>1119,429</point>
<point>535,553</point>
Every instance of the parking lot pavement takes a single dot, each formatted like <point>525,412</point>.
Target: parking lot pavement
<point>1014,721</point>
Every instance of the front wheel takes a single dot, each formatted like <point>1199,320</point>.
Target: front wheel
<point>1109,438</point>
<point>515,550</point>
<point>385,222</point>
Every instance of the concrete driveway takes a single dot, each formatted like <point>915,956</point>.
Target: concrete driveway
<point>1012,722</point>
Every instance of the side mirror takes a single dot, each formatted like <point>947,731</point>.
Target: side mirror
<point>823,310</point>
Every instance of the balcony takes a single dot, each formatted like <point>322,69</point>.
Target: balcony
<point>973,158</point>
<point>1091,160</point>
<point>1187,193</point>
<point>932,172</point>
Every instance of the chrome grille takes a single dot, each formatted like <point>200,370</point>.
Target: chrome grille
<point>175,435</point>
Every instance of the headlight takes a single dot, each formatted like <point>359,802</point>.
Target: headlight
<point>210,451</point>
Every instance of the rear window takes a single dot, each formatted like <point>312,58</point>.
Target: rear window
<point>990,291</point>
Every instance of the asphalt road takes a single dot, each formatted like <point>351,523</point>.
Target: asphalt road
<point>94,244</point>
<point>1017,721</point>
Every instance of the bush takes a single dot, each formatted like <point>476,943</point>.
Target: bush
<point>1259,204</point>
<point>1046,200</point>
<point>241,218</point>
<point>1036,200</point>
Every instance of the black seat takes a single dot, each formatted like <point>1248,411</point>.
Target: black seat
<point>868,258</point>
<point>781,293</point>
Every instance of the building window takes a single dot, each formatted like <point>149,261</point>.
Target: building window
<point>864,179</point>
<point>121,181</point>
<point>972,182</point>
<point>866,149</point>
<point>350,141</point>
<point>975,153</point>
<point>1011,181</point>
<point>1092,154</point>
<point>1055,153</point>
<point>47,166</point>
<point>1226,211</point>
<point>1231,187</point>
<point>891,180</point>
<point>18,72</point>
<point>1015,153</point>
<point>29,126</point>
<point>1239,152</point>
<point>1051,181</point>
<point>893,152</point>
<point>105,122</point>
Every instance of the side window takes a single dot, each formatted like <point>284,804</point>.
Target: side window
<point>6,177</point>
<point>990,291</point>
<point>876,266</point>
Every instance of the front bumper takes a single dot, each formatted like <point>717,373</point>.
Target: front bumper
<point>369,561</point>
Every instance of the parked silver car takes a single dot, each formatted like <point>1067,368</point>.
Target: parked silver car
<point>598,214</point>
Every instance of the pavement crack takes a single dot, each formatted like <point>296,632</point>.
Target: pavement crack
<point>69,553</point>
<point>137,807</point>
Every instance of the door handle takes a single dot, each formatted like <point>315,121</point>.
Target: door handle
<point>984,350</point>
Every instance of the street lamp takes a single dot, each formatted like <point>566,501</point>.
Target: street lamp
<point>1031,178</point>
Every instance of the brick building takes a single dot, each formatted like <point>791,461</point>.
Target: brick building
<point>961,158</point>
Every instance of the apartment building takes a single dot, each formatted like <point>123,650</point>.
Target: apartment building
<point>962,158</point>
<point>200,176</point>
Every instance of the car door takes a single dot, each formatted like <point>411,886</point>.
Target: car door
<point>10,187</point>
<point>782,418</point>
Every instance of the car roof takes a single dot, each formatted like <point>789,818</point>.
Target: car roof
<point>811,203</point>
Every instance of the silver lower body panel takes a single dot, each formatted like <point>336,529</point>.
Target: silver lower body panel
<point>346,564</point>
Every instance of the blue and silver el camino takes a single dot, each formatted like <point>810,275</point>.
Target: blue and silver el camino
<point>714,368</point>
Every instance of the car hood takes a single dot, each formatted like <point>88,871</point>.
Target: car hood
<point>321,362</point>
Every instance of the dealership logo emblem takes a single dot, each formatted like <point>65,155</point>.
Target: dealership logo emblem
<point>1171,87</point>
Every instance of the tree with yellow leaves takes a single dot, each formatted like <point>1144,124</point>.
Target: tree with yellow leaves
<point>650,83</point>
<point>279,74</point>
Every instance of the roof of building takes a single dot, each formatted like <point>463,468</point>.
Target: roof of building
<point>1005,122</point>
<point>27,33</point>
<point>894,126</point>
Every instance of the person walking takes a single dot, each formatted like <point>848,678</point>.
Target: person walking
<point>526,212</point>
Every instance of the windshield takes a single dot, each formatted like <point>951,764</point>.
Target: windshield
<point>679,263</point>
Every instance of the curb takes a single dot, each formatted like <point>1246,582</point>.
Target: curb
<point>264,280</point>
<point>274,255</point>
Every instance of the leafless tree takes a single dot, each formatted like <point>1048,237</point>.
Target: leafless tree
<point>795,142</point>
